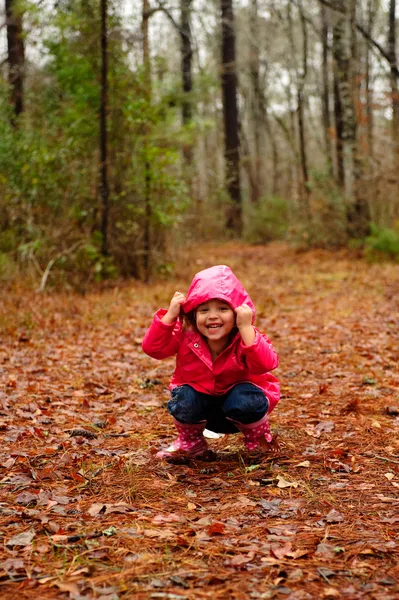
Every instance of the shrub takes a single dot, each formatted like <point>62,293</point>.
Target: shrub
<point>383,241</point>
<point>266,221</point>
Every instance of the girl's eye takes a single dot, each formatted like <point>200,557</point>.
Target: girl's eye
<point>224,308</point>
<point>203,310</point>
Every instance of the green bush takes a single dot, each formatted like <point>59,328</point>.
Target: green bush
<point>7,267</point>
<point>383,241</point>
<point>266,221</point>
<point>327,227</point>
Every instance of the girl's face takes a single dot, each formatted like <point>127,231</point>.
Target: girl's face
<point>215,319</point>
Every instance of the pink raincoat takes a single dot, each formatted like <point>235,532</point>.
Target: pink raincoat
<point>194,366</point>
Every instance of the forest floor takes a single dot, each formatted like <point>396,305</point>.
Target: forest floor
<point>87,512</point>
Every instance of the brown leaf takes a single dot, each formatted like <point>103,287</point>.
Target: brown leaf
<point>216,529</point>
<point>26,498</point>
<point>77,476</point>
<point>97,509</point>
<point>171,518</point>
<point>334,517</point>
<point>281,551</point>
<point>21,539</point>
<point>240,559</point>
<point>13,566</point>
<point>72,587</point>
<point>283,483</point>
<point>325,551</point>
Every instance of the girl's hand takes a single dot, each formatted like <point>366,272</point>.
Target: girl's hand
<point>244,324</point>
<point>174,308</point>
<point>244,315</point>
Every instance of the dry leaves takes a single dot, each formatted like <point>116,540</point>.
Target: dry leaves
<point>86,510</point>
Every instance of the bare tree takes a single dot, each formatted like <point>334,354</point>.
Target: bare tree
<point>344,52</point>
<point>230,113</point>
<point>345,111</point>
<point>146,13</point>
<point>15,57</point>
<point>256,100</point>
<point>186,59</point>
<point>300,80</point>
<point>393,75</point>
<point>104,188</point>
<point>371,13</point>
<point>326,109</point>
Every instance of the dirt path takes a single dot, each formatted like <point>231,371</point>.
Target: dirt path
<point>85,510</point>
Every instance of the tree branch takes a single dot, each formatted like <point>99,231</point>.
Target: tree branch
<point>367,36</point>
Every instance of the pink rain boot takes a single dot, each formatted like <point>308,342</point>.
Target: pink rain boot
<point>255,434</point>
<point>190,442</point>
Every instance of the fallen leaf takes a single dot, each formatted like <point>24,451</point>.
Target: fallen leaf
<point>13,566</point>
<point>171,518</point>
<point>325,572</point>
<point>120,508</point>
<point>240,559</point>
<point>305,464</point>
<point>216,529</point>
<point>389,476</point>
<point>325,426</point>
<point>325,551</point>
<point>334,517</point>
<point>283,483</point>
<point>281,551</point>
<point>72,588</point>
<point>97,509</point>
<point>26,498</point>
<point>204,521</point>
<point>331,593</point>
<point>21,539</point>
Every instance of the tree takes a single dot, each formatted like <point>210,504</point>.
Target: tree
<point>393,76</point>
<point>325,29</point>
<point>104,188</point>
<point>15,57</point>
<point>186,53</point>
<point>344,52</point>
<point>146,13</point>
<point>230,114</point>
<point>256,100</point>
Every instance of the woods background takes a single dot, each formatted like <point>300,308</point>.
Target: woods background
<point>129,130</point>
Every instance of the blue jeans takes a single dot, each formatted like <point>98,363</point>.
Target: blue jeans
<point>244,403</point>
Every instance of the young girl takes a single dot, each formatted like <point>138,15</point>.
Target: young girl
<point>221,380</point>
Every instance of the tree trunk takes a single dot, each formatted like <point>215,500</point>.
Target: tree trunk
<point>147,167</point>
<point>256,101</point>
<point>186,59</point>
<point>230,113</point>
<point>344,52</point>
<point>104,190</point>
<point>368,85</point>
<point>326,88</point>
<point>394,77</point>
<point>300,76</point>
<point>15,58</point>
<point>339,135</point>
<point>301,113</point>
<point>274,147</point>
<point>342,58</point>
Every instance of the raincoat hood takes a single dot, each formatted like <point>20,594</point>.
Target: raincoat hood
<point>217,282</point>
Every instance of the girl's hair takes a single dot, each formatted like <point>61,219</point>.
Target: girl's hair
<point>188,321</point>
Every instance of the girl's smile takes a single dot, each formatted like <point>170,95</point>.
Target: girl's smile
<point>215,320</point>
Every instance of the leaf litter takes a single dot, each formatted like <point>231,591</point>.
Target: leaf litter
<point>86,512</point>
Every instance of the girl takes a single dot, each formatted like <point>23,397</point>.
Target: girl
<point>221,380</point>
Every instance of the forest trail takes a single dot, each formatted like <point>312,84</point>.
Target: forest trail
<point>86,511</point>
